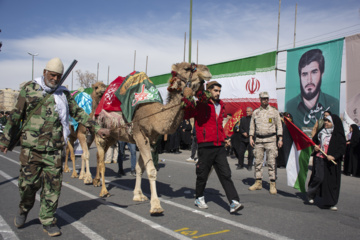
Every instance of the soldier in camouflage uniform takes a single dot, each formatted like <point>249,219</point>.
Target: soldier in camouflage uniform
<point>43,140</point>
<point>265,125</point>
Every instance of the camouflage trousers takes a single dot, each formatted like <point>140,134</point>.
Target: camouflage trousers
<point>271,154</point>
<point>40,170</point>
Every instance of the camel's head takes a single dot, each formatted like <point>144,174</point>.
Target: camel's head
<point>98,90</point>
<point>189,75</point>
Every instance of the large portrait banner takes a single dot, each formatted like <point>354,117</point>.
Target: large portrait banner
<point>313,76</point>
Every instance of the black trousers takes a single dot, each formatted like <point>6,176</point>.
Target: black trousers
<point>317,177</point>
<point>194,147</point>
<point>240,149</point>
<point>214,156</point>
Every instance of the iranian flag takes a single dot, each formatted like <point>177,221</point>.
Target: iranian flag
<point>298,161</point>
<point>242,80</point>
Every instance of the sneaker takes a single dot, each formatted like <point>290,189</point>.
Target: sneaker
<point>190,159</point>
<point>200,203</point>
<point>333,208</point>
<point>20,219</point>
<point>133,173</point>
<point>235,206</point>
<point>52,230</point>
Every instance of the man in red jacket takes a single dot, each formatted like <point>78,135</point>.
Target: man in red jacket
<point>208,115</point>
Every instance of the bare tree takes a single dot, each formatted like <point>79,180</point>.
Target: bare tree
<point>85,79</point>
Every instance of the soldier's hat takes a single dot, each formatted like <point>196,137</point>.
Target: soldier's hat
<point>264,95</point>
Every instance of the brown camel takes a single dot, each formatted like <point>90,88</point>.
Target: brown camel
<point>85,138</point>
<point>149,122</point>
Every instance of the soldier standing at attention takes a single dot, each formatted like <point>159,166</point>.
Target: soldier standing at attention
<point>43,140</point>
<point>265,124</point>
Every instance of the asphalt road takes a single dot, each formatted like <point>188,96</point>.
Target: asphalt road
<point>82,214</point>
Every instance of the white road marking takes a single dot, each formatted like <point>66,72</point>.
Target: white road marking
<point>5,231</point>
<point>82,227</point>
<point>73,222</point>
<point>252,229</point>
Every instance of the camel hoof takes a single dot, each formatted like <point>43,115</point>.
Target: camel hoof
<point>96,183</point>
<point>88,180</point>
<point>140,198</point>
<point>66,169</point>
<point>105,194</point>
<point>157,211</point>
<point>74,175</point>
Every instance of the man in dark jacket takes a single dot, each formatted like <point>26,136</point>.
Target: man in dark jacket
<point>243,142</point>
<point>208,115</point>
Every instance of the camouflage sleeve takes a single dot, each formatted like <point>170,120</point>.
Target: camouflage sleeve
<point>80,115</point>
<point>252,126</point>
<point>13,124</point>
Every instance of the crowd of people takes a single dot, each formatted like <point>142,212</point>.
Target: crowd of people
<point>262,131</point>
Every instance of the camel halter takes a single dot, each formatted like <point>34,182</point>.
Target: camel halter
<point>193,68</point>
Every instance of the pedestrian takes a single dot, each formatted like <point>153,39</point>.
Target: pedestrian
<point>186,135</point>
<point>3,118</point>
<point>194,147</point>
<point>112,154</point>
<point>121,157</point>
<point>352,156</point>
<point>325,178</point>
<point>266,126</point>
<point>208,114</point>
<point>43,140</point>
<point>244,143</point>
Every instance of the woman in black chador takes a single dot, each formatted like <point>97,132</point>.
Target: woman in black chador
<point>352,156</point>
<point>325,178</point>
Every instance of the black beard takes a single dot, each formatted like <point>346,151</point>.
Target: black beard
<point>310,95</point>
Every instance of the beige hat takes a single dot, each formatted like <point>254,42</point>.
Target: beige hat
<point>55,65</point>
<point>264,95</point>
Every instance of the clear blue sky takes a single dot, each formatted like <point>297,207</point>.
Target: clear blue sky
<point>108,32</point>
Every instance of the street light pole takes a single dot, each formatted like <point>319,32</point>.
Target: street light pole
<point>33,55</point>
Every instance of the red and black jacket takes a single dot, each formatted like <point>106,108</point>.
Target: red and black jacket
<point>209,130</point>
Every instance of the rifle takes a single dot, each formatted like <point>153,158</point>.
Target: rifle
<point>14,141</point>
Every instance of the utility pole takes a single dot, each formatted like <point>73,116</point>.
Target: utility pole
<point>277,44</point>
<point>97,75</point>
<point>33,55</point>
<point>190,31</point>
<point>184,46</point>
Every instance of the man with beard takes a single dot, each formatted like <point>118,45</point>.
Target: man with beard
<point>208,115</point>
<point>43,138</point>
<point>311,103</point>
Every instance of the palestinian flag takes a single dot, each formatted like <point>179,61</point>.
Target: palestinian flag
<point>298,161</point>
<point>242,80</point>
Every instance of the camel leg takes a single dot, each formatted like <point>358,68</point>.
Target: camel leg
<point>138,194</point>
<point>72,157</point>
<point>145,151</point>
<point>102,148</point>
<point>67,151</point>
<point>86,175</point>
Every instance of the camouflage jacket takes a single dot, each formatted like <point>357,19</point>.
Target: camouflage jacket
<point>44,131</point>
<point>265,124</point>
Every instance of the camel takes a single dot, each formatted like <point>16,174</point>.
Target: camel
<point>150,120</point>
<point>85,138</point>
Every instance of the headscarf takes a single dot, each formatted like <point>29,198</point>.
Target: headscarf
<point>61,107</point>
<point>326,133</point>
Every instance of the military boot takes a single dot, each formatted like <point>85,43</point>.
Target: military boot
<point>273,188</point>
<point>256,186</point>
